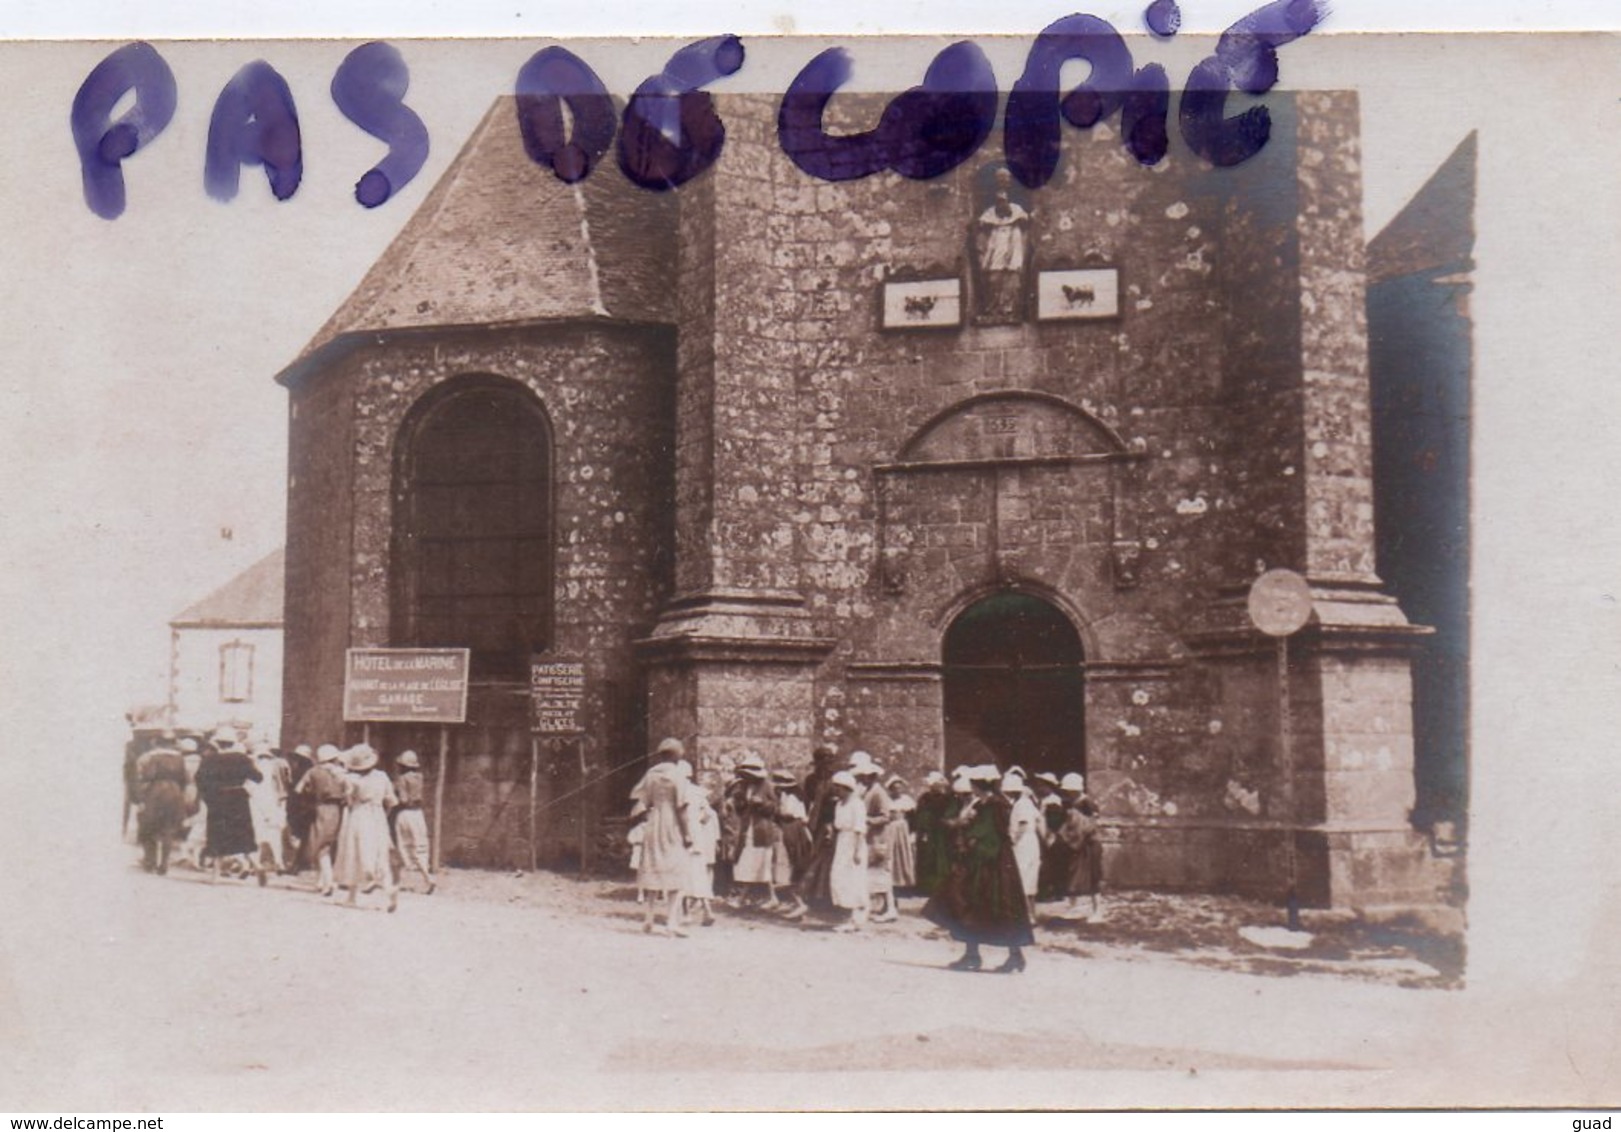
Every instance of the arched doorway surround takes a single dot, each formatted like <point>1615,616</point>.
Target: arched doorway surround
<point>1014,685</point>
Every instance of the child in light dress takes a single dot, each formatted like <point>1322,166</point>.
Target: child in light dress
<point>638,831</point>
<point>704,825</point>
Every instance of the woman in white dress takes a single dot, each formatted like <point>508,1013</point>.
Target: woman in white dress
<point>1024,831</point>
<point>666,864</point>
<point>847,877</point>
<point>267,802</point>
<point>880,877</point>
<point>902,846</point>
<point>363,843</point>
<point>703,825</point>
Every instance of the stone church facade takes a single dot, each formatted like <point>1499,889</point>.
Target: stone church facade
<point>945,470</point>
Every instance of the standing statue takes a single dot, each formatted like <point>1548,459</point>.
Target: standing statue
<point>1002,251</point>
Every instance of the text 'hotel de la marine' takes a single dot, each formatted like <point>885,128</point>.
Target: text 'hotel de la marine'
<point>948,470</point>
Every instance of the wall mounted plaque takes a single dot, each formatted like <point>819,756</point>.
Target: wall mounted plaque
<point>1087,293</point>
<point>923,304</point>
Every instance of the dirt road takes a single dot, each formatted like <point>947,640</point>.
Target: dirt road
<point>125,991</point>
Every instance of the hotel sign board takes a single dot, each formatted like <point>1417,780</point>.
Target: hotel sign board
<point>405,685</point>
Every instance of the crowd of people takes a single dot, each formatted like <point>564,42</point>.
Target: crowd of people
<point>983,846</point>
<point>228,808</point>
<point>844,841</point>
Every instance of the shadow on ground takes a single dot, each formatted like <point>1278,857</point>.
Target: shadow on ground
<point>1203,930</point>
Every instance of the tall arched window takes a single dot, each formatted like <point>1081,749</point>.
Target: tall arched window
<point>473,525</point>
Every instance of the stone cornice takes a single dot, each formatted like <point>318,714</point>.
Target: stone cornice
<point>692,647</point>
<point>746,626</point>
<point>1349,614</point>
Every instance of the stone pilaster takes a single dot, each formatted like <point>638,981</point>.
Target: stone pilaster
<point>1337,464</point>
<point>1351,764</point>
<point>732,671</point>
<point>732,658</point>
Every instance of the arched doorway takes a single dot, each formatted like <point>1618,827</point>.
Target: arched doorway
<point>1014,686</point>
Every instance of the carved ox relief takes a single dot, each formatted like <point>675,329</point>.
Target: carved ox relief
<point>1001,486</point>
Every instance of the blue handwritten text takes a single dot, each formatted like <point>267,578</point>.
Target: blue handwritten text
<point>669,131</point>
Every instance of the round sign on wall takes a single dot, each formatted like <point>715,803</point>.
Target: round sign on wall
<point>1280,603</point>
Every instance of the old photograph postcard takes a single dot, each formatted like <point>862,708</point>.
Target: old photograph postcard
<point>1069,568</point>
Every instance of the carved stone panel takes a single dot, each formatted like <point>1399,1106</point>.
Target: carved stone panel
<point>1011,426</point>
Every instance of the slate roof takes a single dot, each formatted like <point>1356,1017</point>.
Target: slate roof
<point>500,240</point>
<point>251,600</point>
<point>1436,229</point>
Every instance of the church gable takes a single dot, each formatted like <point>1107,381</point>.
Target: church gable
<point>500,240</point>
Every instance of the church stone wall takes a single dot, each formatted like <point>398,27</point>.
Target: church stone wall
<point>1231,379</point>
<point>809,282</point>
<point>319,535</point>
<point>607,392</point>
<point>769,514</point>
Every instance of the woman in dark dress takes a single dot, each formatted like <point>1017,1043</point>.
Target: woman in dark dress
<point>934,806</point>
<point>755,799</point>
<point>300,807</point>
<point>794,845</point>
<point>982,899</point>
<point>1080,835</point>
<point>222,780</point>
<point>1055,854</point>
<point>820,803</point>
<point>325,785</point>
<point>160,779</point>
